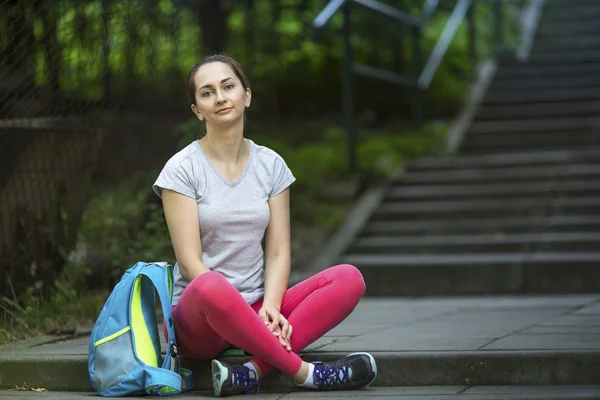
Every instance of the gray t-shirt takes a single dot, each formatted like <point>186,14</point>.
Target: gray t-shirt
<point>233,216</point>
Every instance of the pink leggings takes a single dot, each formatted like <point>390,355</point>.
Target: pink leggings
<point>211,316</point>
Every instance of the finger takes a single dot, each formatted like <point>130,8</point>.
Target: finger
<point>284,343</point>
<point>285,327</point>
<point>289,336</point>
<point>274,322</point>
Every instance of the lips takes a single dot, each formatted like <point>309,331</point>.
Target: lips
<point>223,110</point>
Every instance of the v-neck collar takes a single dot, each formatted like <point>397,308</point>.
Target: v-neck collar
<point>225,181</point>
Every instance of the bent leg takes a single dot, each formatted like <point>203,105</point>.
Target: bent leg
<point>212,299</point>
<point>315,306</point>
<point>196,339</point>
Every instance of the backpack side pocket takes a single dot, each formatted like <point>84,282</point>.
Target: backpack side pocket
<point>113,358</point>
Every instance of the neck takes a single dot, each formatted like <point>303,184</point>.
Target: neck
<point>227,143</point>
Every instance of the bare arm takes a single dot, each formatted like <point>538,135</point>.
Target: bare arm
<point>277,253</point>
<point>181,213</point>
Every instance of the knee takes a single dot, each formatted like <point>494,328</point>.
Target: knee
<point>351,279</point>
<point>211,289</point>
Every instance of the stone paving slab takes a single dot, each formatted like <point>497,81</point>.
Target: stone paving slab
<point>429,341</point>
<point>408,392</point>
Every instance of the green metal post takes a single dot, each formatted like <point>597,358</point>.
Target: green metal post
<point>348,91</point>
<point>498,27</point>
<point>472,32</point>
<point>417,100</point>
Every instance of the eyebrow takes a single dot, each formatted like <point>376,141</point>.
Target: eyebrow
<point>209,85</point>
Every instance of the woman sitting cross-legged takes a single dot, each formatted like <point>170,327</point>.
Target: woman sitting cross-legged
<point>222,194</point>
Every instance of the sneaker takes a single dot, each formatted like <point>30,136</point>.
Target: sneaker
<point>231,380</point>
<point>355,371</point>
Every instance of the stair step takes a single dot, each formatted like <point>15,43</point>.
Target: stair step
<point>486,208</point>
<point>476,176</point>
<point>563,127</point>
<point>555,157</point>
<point>539,71</point>
<point>567,43</point>
<point>511,141</point>
<point>495,190</point>
<point>542,95</point>
<point>567,56</point>
<point>578,13</point>
<point>490,273</point>
<point>562,4</point>
<point>575,223</point>
<point>538,110</point>
<point>485,151</point>
<point>477,243</point>
<point>533,82</point>
<point>559,28</point>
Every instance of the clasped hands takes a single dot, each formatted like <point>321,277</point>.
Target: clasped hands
<point>277,324</point>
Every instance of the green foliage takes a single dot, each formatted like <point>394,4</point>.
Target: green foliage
<point>122,226</point>
<point>65,309</point>
<point>153,40</point>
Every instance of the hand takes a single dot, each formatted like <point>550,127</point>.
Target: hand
<point>277,324</point>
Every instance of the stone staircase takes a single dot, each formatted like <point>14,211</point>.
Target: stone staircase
<point>517,211</point>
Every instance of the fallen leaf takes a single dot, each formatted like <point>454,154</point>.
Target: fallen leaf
<point>27,387</point>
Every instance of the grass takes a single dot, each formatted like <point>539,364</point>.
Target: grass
<point>62,312</point>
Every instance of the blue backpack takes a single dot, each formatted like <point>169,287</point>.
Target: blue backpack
<point>124,351</point>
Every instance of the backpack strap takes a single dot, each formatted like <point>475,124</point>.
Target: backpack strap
<point>162,278</point>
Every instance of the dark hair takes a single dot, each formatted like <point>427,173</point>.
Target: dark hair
<point>237,69</point>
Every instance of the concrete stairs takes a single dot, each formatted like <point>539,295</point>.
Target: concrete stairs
<point>518,210</point>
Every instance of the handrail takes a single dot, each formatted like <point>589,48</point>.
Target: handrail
<point>429,9</point>
<point>423,76</point>
<point>388,11</point>
<point>327,12</point>
<point>442,45</point>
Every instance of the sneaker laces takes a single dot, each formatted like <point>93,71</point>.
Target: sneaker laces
<point>241,378</point>
<point>331,374</point>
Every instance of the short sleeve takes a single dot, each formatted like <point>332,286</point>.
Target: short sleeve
<point>177,176</point>
<point>282,177</point>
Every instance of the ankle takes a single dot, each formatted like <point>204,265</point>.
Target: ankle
<point>302,374</point>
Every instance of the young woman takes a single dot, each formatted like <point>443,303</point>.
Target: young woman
<point>222,194</point>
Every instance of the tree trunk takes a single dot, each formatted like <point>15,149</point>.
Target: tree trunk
<point>212,17</point>
<point>249,33</point>
<point>51,53</point>
<point>17,55</point>
<point>105,34</point>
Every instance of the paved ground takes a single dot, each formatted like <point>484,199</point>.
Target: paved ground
<point>387,393</point>
<point>539,340</point>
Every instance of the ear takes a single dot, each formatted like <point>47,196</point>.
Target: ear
<point>197,112</point>
<point>248,97</point>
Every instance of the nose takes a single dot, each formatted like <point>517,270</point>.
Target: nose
<point>219,98</point>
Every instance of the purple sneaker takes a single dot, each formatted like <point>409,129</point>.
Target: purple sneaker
<point>354,371</point>
<point>231,380</point>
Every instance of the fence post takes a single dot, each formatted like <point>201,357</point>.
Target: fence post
<point>348,91</point>
<point>417,98</point>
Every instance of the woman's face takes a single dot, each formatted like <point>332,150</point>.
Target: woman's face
<point>220,96</point>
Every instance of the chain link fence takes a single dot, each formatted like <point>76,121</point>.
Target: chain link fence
<point>83,84</point>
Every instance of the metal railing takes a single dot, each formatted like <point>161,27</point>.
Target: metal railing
<point>423,74</point>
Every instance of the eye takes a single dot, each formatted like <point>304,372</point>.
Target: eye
<point>207,93</point>
<point>230,86</point>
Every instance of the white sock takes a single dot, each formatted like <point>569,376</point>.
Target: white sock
<point>309,383</point>
<point>252,368</point>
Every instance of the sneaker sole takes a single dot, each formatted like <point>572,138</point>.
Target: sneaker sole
<point>217,383</point>
<point>373,364</point>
